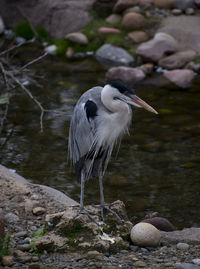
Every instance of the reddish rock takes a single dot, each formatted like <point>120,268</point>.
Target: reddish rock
<point>121,5</point>
<point>138,36</point>
<point>133,20</point>
<point>129,75</point>
<point>181,77</point>
<point>108,30</point>
<point>178,59</point>
<point>163,3</point>
<point>160,223</point>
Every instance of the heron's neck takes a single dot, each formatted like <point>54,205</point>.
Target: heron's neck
<point>107,98</point>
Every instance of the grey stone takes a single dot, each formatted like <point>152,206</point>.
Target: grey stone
<point>196,261</point>
<point>190,11</point>
<point>21,234</point>
<point>186,266</point>
<point>121,5</point>
<point>109,54</point>
<point>183,4</point>
<point>176,11</point>
<point>182,246</point>
<point>51,49</point>
<point>113,18</point>
<point>11,218</point>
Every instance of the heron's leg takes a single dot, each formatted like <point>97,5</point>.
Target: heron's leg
<point>101,195</point>
<point>82,190</point>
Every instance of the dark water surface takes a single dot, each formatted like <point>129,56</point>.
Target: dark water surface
<point>157,167</point>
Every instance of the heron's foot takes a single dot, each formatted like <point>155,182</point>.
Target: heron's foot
<point>107,207</point>
<point>90,214</point>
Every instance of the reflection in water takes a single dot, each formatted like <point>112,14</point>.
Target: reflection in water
<point>157,167</point>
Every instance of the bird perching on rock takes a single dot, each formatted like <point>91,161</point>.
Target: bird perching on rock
<point>101,115</point>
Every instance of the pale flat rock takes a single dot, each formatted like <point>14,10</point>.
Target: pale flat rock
<point>187,235</point>
<point>113,18</point>
<point>108,30</point>
<point>77,37</point>
<point>133,20</point>
<point>138,36</point>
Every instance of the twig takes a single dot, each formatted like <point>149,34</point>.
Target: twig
<point>15,47</point>
<point>4,76</point>
<point>33,61</point>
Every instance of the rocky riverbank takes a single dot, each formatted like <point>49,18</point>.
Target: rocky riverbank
<point>27,208</point>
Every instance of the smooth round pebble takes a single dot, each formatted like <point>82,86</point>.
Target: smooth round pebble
<point>145,235</point>
<point>182,246</point>
<point>196,261</point>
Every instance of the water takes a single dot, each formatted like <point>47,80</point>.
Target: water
<point>157,167</point>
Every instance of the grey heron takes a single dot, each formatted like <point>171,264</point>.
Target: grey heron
<point>100,117</point>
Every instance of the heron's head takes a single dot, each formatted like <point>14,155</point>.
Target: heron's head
<point>126,94</point>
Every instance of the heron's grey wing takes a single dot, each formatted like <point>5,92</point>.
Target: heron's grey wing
<point>83,129</point>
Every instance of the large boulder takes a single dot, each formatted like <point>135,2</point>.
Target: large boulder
<point>185,29</point>
<point>183,4</point>
<point>181,77</point>
<point>112,55</point>
<point>158,47</point>
<point>163,3</point>
<point>58,17</point>
<point>178,59</point>
<point>129,75</point>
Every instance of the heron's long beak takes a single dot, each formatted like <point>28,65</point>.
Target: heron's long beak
<point>136,101</point>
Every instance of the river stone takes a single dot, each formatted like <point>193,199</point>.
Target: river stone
<point>183,4</point>
<point>129,75</point>
<point>11,218</point>
<point>108,30</point>
<point>196,261</point>
<point>51,49</point>
<point>181,77</point>
<point>113,18</point>
<point>145,235</point>
<point>138,36</point>
<point>176,11</point>
<point>77,37</point>
<point>178,59</point>
<point>197,3</point>
<point>121,5</point>
<point>160,223</point>
<point>133,20</point>
<point>186,266</point>
<point>7,261</point>
<point>165,4</point>
<point>158,47</point>
<point>190,11</point>
<point>39,210</point>
<point>109,54</point>
<point>182,246</point>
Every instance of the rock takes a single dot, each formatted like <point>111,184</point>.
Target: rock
<point>183,4</point>
<point>34,266</point>
<point>7,261</point>
<point>39,211</point>
<point>50,242</point>
<point>21,234</point>
<point>51,49</point>
<point>178,59</point>
<point>176,11</point>
<point>92,254</point>
<point>165,4</point>
<point>113,18</point>
<point>121,5</point>
<point>160,223</point>
<point>190,11</point>
<point>2,26</point>
<point>186,266</point>
<point>135,9</point>
<point>108,30</point>
<point>69,52</point>
<point>129,75</point>
<point>181,28</point>
<point>140,264</point>
<point>146,3</point>
<point>22,257</point>
<point>11,218</point>
<point>24,247</point>
<point>138,36</point>
<point>145,235</point>
<point>193,66</point>
<point>109,54</point>
<point>181,77</point>
<point>158,47</point>
<point>57,17</point>
<point>196,261</point>
<point>77,37</point>
<point>197,3</point>
<point>188,235</point>
<point>133,20</point>
<point>182,246</point>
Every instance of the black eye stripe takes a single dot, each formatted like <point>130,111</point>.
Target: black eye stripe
<point>122,87</point>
